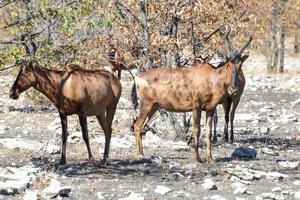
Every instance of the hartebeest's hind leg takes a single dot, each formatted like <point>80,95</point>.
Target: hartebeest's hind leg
<point>209,116</point>
<point>146,112</point>
<point>226,107</point>
<point>106,123</point>
<point>196,132</point>
<point>64,137</point>
<point>83,124</point>
<point>107,132</point>
<point>232,113</point>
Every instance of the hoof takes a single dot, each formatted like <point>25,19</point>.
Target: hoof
<point>140,157</point>
<point>91,162</point>
<point>62,162</point>
<point>215,140</point>
<point>210,161</point>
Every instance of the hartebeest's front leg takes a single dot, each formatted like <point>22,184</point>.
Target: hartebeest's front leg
<point>64,137</point>
<point>196,132</point>
<point>209,116</point>
<point>226,107</point>
<point>83,124</point>
<point>232,113</point>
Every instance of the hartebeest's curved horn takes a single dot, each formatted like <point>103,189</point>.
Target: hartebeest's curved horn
<point>229,44</point>
<point>245,46</point>
<point>23,42</point>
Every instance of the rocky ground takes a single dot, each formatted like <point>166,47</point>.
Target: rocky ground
<point>263,163</point>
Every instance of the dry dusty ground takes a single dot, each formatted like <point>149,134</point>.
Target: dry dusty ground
<point>266,121</point>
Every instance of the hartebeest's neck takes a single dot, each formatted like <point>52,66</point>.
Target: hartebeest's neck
<point>49,82</point>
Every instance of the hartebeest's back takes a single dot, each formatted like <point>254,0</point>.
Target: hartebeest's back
<point>85,86</point>
<point>177,90</point>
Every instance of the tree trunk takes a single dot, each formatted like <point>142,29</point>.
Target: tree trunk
<point>147,61</point>
<point>281,38</point>
<point>272,53</point>
<point>296,43</point>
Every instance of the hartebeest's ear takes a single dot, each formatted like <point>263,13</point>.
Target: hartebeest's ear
<point>244,58</point>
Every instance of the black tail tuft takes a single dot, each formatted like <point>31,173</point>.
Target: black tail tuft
<point>134,96</point>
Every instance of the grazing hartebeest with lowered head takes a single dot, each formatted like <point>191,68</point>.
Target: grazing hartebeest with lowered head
<point>74,91</point>
<point>194,89</point>
<point>120,61</point>
<point>233,100</point>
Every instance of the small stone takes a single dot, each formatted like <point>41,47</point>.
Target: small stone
<point>296,182</point>
<point>174,167</point>
<point>239,188</point>
<point>244,153</point>
<point>208,184</point>
<point>272,196</point>
<point>268,151</point>
<point>217,197</point>
<point>264,130</point>
<point>181,146</point>
<point>100,195</point>
<point>51,148</point>
<point>55,189</point>
<point>162,190</point>
<point>276,189</point>
<point>133,196</point>
<point>30,195</point>
<point>156,159</point>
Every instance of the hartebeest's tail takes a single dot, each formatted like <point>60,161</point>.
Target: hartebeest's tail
<point>134,98</point>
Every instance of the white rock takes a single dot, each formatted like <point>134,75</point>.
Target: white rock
<point>276,189</point>
<point>13,187</point>
<point>55,189</point>
<point>297,194</point>
<point>272,196</point>
<point>289,164</point>
<point>180,146</point>
<point>268,151</point>
<point>160,189</point>
<point>51,148</point>
<point>12,143</point>
<point>133,196</point>
<point>217,197</point>
<point>30,195</point>
<point>264,130</point>
<point>156,159</point>
<point>296,182</point>
<point>100,195</point>
<point>208,184</point>
<point>239,188</point>
<point>174,166</point>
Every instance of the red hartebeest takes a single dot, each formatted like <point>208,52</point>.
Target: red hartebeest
<point>233,100</point>
<point>196,89</point>
<point>74,91</point>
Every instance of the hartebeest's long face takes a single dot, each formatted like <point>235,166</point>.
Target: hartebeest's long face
<point>23,82</point>
<point>234,66</point>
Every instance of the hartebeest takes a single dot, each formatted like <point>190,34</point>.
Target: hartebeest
<point>74,91</point>
<point>196,89</point>
<point>233,100</point>
<point>119,61</point>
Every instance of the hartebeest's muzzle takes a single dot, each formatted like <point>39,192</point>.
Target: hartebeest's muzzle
<point>13,94</point>
<point>233,88</point>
